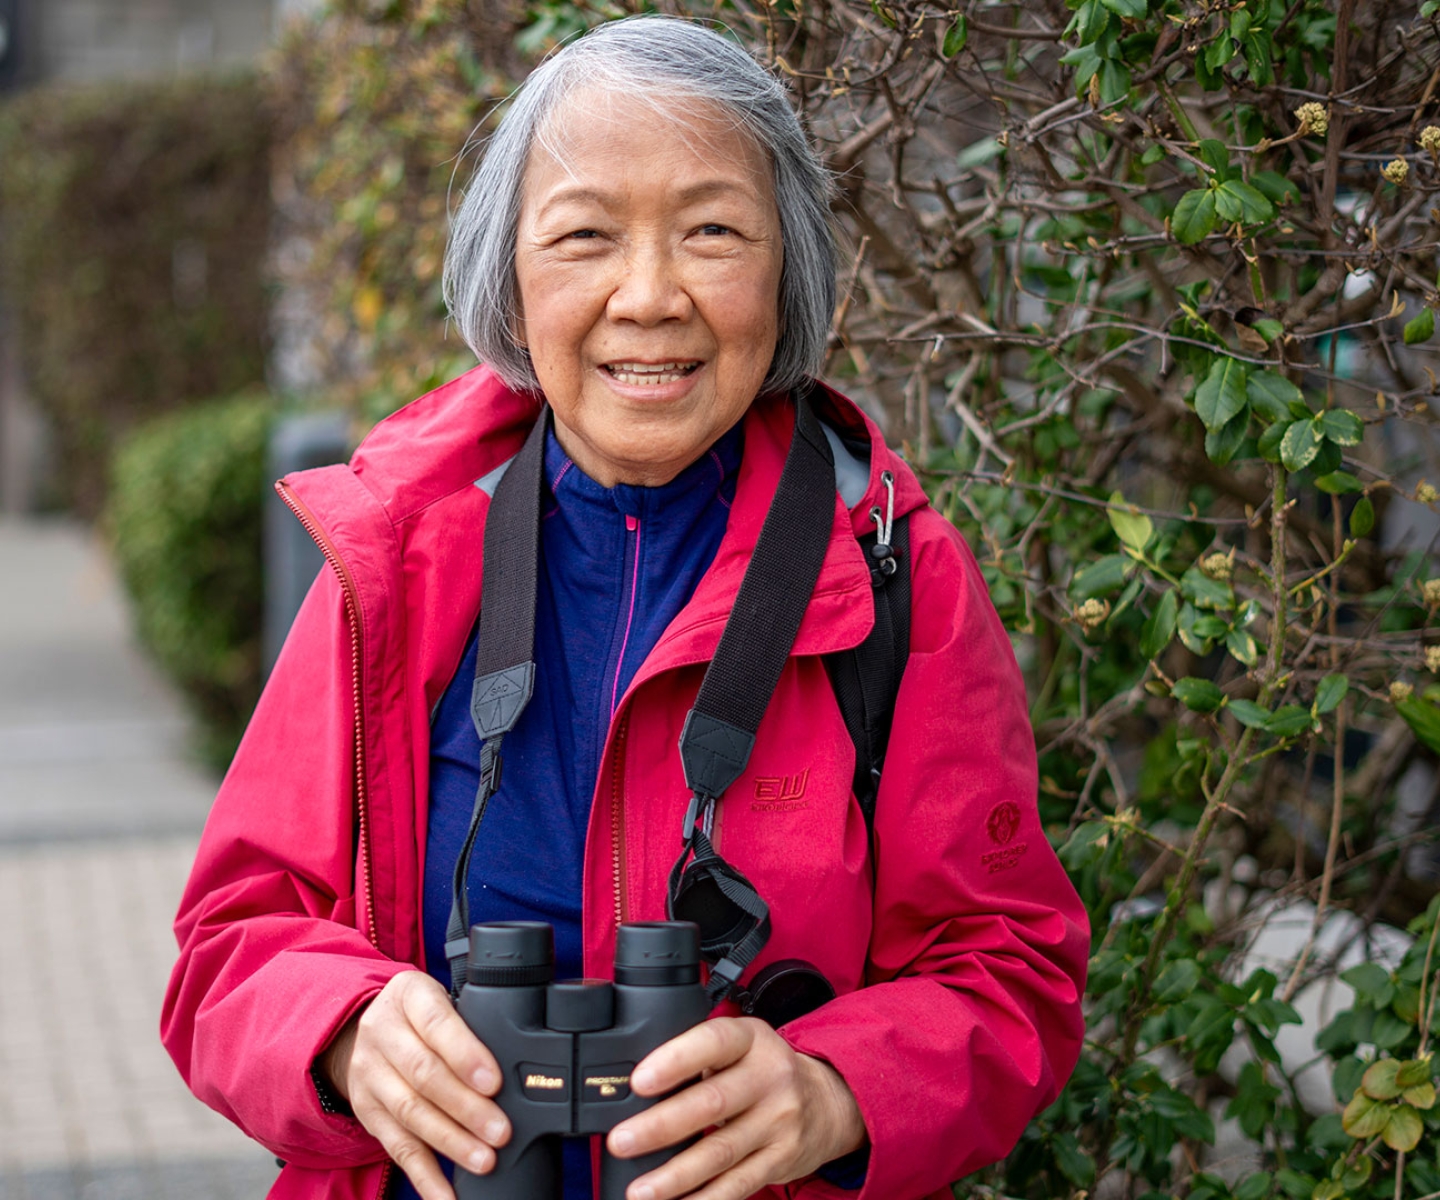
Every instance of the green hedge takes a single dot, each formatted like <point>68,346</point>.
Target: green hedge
<point>135,219</point>
<point>185,516</point>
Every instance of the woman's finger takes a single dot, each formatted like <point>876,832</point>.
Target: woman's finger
<point>430,1013</point>
<point>733,1163</point>
<point>389,1100</point>
<point>413,1157</point>
<point>709,1046</point>
<point>708,1102</point>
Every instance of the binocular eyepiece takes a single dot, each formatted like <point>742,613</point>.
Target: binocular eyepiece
<point>566,1050</point>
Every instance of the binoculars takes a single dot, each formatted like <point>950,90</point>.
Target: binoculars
<point>566,1049</point>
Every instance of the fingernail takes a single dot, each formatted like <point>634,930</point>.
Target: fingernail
<point>643,1078</point>
<point>642,1191</point>
<point>484,1080</point>
<point>494,1131</point>
<point>480,1161</point>
<point>622,1140</point>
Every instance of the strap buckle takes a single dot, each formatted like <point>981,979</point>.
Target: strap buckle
<point>699,815</point>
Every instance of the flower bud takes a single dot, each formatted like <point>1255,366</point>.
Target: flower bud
<point>1314,118</point>
<point>1400,690</point>
<point>1426,493</point>
<point>1432,659</point>
<point>1430,589</point>
<point>1396,170</point>
<point>1092,613</point>
<point>1430,138</point>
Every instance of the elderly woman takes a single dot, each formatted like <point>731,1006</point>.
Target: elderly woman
<point>644,261</point>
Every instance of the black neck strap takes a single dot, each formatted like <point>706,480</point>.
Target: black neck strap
<point>719,732</point>
<point>504,654</point>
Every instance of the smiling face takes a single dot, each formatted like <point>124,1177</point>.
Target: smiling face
<point>648,264</point>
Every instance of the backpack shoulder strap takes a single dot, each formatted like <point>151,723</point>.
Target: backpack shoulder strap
<point>867,679</point>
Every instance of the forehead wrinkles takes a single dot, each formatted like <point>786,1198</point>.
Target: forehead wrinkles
<point>590,113</point>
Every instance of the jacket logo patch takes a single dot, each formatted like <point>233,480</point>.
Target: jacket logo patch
<point>781,793</point>
<point>1003,822</point>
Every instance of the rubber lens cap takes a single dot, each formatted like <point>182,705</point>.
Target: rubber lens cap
<point>580,1005</point>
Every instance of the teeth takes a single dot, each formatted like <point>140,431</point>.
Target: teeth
<point>640,373</point>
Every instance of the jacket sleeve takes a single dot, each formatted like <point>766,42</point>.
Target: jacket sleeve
<point>271,962</point>
<point>972,1022</point>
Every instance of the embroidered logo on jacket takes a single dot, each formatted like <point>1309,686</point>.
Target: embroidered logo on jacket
<point>781,793</point>
<point>1002,825</point>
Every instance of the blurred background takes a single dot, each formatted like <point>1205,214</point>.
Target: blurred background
<point>221,231</point>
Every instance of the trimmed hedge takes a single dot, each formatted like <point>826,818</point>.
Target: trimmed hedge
<point>135,219</point>
<point>185,517</point>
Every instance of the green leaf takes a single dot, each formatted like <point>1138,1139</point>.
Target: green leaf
<point>1075,1164</point>
<point>1403,1130</point>
<point>1194,217</point>
<point>1198,695</point>
<point>1268,446</point>
<point>1238,201</point>
<point>1379,1080</point>
<point>1422,1095</point>
<point>1364,1118</point>
<point>978,153</point>
<point>1214,155</point>
<point>1269,329</point>
<point>1289,720</point>
<point>1176,981</point>
<point>1204,592</point>
<point>1339,483</point>
<point>1423,719</point>
<point>1275,186</point>
<point>1085,845</point>
<point>1114,80</point>
<point>1222,395</point>
<point>1341,426</point>
<point>1160,627</point>
<point>1131,9</point>
<point>1331,691</point>
<point>1257,1187</point>
<point>1248,713</point>
<point>1413,1071</point>
<point>1389,1030</point>
<point>1134,529</point>
<point>1421,329</point>
<point>1271,394</point>
<point>1152,156</point>
<point>956,37</point>
<point>1221,445</point>
<point>1300,445</point>
<point>1362,517</point>
<point>1357,1174</point>
<point>1242,647</point>
<point>1101,577</point>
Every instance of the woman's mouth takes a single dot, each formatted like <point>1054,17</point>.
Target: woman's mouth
<point>636,373</point>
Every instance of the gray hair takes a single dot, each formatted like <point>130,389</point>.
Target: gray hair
<point>659,60</point>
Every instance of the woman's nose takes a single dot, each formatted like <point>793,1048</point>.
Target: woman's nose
<point>649,290</point>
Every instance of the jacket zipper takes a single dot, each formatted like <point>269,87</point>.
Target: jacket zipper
<point>617,818</point>
<point>352,617</point>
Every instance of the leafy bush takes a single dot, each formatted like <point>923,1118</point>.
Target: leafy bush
<point>135,219</point>
<point>1147,289</point>
<point>185,519</point>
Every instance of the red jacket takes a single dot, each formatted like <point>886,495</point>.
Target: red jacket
<point>305,898</point>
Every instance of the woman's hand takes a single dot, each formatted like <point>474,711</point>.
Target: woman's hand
<point>418,1079</point>
<point>781,1114</point>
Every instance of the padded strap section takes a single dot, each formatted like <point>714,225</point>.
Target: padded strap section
<point>765,619</point>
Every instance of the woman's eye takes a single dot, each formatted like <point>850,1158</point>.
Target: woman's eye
<point>584,233</point>
<point>714,230</point>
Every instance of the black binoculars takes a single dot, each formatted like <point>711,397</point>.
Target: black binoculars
<point>566,1049</point>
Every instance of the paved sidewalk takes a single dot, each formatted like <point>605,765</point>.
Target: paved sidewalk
<point>99,814</point>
